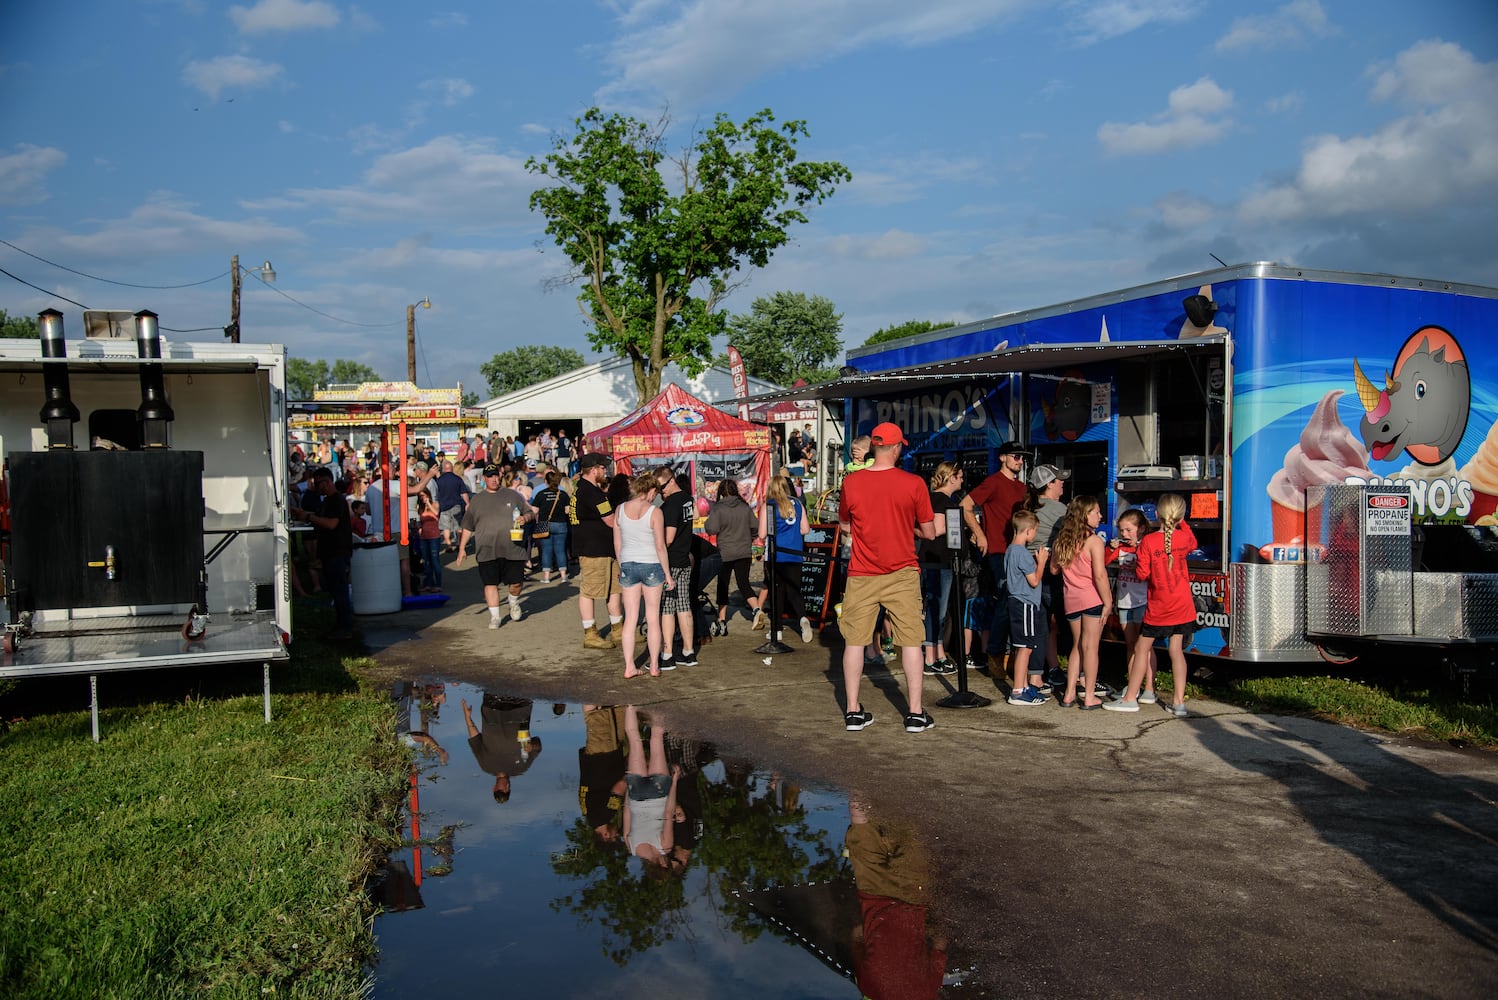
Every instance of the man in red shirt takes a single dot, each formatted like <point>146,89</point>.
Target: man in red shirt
<point>997,497</point>
<point>884,509</point>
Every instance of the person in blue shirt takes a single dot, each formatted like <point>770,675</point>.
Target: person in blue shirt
<point>1027,622</point>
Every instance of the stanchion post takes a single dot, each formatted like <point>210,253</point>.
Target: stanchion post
<point>773,643</point>
<point>962,697</point>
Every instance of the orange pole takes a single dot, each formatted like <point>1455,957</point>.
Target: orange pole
<point>405,462</point>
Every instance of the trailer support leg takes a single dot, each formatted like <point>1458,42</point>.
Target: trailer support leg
<point>93,703</point>
<point>266,667</point>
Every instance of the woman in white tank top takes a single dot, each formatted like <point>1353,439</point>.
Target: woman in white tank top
<point>640,545</point>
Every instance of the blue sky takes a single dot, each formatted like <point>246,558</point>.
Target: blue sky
<point>1006,153</point>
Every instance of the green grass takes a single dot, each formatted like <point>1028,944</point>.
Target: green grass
<point>1368,703</point>
<point>198,850</point>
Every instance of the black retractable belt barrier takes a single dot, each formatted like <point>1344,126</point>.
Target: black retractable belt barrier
<point>773,643</point>
<point>962,697</point>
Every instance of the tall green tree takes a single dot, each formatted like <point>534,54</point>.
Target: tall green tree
<point>910,328</point>
<point>788,335</point>
<point>303,376</point>
<point>18,327</point>
<point>523,366</point>
<point>655,257</point>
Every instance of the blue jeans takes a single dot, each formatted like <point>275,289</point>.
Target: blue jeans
<point>936,593</point>
<point>431,559</point>
<point>554,547</point>
<point>998,629</point>
<point>335,578</point>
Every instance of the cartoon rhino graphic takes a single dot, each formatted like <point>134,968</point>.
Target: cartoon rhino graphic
<point>1423,407</point>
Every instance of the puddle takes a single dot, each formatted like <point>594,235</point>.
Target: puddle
<point>517,874</point>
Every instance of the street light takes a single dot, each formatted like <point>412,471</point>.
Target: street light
<point>266,272</point>
<point>425,303</point>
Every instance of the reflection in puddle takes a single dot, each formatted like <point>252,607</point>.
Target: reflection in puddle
<point>640,861</point>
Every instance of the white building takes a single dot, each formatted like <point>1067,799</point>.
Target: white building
<point>596,395</point>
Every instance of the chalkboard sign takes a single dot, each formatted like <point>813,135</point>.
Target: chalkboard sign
<point>819,572</point>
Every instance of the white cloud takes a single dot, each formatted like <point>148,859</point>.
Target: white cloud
<point>687,51</point>
<point>1096,22</point>
<point>449,91</point>
<point>284,15</point>
<point>1285,103</point>
<point>169,224</point>
<point>23,174</point>
<point>449,19</point>
<point>1291,24</point>
<point>461,181</point>
<point>1187,121</point>
<point>891,183</point>
<point>213,76</point>
<point>892,244</point>
<point>1444,152</point>
<point>1203,97</point>
<point>1179,211</point>
<point>534,128</point>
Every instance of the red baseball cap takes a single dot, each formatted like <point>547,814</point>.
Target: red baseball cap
<point>887,434</point>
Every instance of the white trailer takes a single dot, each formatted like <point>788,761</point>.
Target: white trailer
<point>144,515</point>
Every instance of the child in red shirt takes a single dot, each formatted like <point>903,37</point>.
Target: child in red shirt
<point>1170,611</point>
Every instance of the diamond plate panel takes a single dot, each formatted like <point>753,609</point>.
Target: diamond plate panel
<point>1361,585</point>
<point>1276,628</point>
<point>1457,605</point>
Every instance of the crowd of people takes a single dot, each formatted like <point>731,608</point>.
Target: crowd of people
<point>645,553</point>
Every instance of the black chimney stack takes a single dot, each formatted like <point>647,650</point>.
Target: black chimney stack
<point>154,412</point>
<point>58,413</point>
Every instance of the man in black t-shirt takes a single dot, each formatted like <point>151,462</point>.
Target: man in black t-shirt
<point>679,508</point>
<point>334,534</point>
<point>592,518</point>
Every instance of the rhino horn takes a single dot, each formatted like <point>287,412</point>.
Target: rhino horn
<point>1367,394</point>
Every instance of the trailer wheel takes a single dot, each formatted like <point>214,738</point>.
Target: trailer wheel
<point>1335,654</point>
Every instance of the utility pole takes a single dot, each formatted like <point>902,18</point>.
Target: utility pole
<point>266,273</point>
<point>232,330</point>
<point>425,303</point>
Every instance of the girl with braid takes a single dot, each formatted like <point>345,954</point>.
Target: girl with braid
<point>1170,611</point>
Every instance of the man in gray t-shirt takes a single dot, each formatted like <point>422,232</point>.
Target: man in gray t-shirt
<point>494,519</point>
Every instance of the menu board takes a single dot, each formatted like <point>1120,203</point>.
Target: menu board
<point>819,572</point>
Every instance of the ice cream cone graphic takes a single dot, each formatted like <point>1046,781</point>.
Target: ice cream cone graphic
<point>1327,453</point>
<point>1482,473</point>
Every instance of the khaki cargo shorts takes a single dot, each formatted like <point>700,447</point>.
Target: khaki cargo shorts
<point>898,593</point>
<point>600,577</point>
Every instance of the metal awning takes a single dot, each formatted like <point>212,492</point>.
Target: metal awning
<point>994,365</point>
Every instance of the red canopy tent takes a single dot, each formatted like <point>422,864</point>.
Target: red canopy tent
<point>678,429</point>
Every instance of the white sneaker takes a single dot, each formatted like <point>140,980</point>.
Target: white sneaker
<point>515,613</point>
<point>807,635</point>
<point>493,622</point>
<point>759,620</point>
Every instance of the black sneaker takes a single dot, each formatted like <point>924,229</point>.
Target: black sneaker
<point>667,663</point>
<point>941,667</point>
<point>854,721</point>
<point>688,658</point>
<point>919,723</point>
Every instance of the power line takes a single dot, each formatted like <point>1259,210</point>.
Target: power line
<point>107,281</point>
<point>336,319</point>
<point>39,288</point>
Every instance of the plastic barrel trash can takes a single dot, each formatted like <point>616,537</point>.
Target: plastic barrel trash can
<point>375,578</point>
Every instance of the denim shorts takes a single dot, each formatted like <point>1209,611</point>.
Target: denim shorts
<point>650,574</point>
<point>643,787</point>
<point>1131,616</point>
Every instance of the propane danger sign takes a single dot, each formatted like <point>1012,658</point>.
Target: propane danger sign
<point>1388,514</point>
